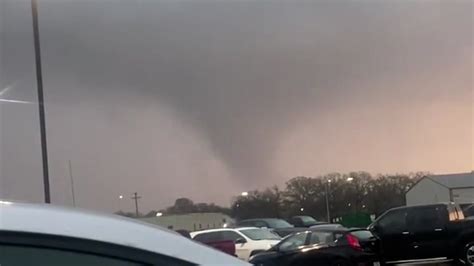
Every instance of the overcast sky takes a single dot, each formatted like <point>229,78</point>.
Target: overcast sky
<point>205,99</point>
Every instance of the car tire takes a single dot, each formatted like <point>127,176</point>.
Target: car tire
<point>468,254</point>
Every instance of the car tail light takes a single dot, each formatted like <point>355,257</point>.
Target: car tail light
<point>353,242</point>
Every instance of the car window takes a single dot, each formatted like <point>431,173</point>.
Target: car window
<point>277,223</point>
<point>229,235</point>
<point>296,220</point>
<point>321,238</point>
<point>260,234</point>
<point>307,219</point>
<point>293,242</point>
<point>393,222</point>
<point>22,255</point>
<point>208,237</point>
<point>247,223</point>
<point>338,236</point>
<point>425,219</point>
<point>468,210</point>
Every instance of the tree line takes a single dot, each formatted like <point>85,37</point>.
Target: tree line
<point>354,192</point>
<point>182,206</point>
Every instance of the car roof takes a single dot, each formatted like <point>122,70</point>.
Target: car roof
<point>444,204</point>
<point>61,221</point>
<point>327,226</point>
<point>220,229</point>
<point>329,230</point>
<point>260,219</point>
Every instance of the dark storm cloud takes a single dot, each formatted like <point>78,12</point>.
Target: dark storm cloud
<point>241,71</point>
<point>241,74</point>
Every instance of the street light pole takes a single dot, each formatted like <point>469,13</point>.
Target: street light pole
<point>327,201</point>
<point>72,185</point>
<point>39,84</point>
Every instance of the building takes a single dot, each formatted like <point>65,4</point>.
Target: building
<point>192,221</point>
<point>457,188</point>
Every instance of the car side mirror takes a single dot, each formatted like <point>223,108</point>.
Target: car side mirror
<point>240,241</point>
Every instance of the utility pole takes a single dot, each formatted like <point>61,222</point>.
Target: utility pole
<point>136,198</point>
<point>72,185</point>
<point>41,112</point>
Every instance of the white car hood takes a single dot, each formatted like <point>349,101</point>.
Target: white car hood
<point>266,244</point>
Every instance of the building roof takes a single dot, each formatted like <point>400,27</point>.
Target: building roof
<point>54,220</point>
<point>454,180</point>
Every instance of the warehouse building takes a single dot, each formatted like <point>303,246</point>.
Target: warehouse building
<point>458,188</point>
<point>192,221</point>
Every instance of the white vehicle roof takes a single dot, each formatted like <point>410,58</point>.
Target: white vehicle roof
<point>53,220</point>
<point>220,229</point>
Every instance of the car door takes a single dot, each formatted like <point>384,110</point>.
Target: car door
<point>391,228</point>
<point>243,248</point>
<point>427,225</point>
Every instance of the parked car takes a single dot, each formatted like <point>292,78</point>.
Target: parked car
<point>303,221</point>
<point>437,232</point>
<point>340,247</point>
<point>279,226</point>
<point>248,240</point>
<point>34,234</point>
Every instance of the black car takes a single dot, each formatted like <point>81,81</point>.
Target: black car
<point>340,247</point>
<point>278,226</point>
<point>304,221</point>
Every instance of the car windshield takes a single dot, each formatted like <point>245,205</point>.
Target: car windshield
<point>278,224</point>
<point>259,234</point>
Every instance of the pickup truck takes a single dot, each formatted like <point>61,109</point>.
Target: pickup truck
<point>438,232</point>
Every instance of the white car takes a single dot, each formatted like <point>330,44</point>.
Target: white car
<point>40,234</point>
<point>248,240</point>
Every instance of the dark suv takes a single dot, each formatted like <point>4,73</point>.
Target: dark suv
<point>428,232</point>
